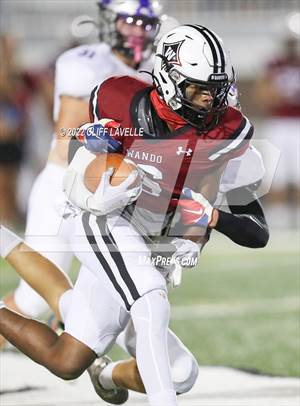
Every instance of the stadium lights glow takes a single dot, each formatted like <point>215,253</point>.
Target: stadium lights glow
<point>156,6</point>
<point>293,22</point>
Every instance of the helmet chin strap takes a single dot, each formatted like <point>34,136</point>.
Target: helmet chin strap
<point>202,124</point>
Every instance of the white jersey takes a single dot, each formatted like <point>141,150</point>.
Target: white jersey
<point>80,69</point>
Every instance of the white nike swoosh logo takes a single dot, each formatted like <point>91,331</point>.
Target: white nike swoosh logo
<point>195,212</point>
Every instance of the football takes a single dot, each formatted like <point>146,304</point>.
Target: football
<point>96,168</point>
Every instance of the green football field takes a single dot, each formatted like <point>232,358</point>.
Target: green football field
<point>239,308</point>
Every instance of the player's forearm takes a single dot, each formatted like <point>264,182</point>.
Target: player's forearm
<point>59,154</point>
<point>246,224</point>
<point>73,113</point>
<point>246,230</point>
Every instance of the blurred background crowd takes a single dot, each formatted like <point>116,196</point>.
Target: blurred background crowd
<point>262,35</point>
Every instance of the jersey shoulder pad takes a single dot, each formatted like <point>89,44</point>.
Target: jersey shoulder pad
<point>77,70</point>
<point>234,132</point>
<point>112,98</point>
<point>236,123</point>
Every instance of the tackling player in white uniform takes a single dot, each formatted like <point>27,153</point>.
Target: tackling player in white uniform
<point>77,72</point>
<point>128,38</point>
<point>127,31</point>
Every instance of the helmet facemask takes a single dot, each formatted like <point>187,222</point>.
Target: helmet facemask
<point>212,99</point>
<point>132,35</point>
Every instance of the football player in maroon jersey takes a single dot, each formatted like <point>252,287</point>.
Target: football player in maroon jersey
<point>189,132</point>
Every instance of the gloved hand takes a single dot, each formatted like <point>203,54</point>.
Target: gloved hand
<point>233,97</point>
<point>106,198</point>
<point>196,209</point>
<point>97,136</point>
<point>187,252</point>
<point>174,275</point>
<point>170,258</point>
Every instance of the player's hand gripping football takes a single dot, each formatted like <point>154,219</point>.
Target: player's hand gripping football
<point>106,198</point>
<point>195,209</point>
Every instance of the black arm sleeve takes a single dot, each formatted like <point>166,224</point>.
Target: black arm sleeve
<point>246,224</point>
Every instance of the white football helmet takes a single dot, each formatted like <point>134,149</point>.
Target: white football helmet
<point>129,26</point>
<point>193,55</point>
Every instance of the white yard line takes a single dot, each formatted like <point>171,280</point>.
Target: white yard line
<point>257,306</point>
<point>24,383</point>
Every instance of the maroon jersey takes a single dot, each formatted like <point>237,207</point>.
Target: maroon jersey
<point>172,160</point>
